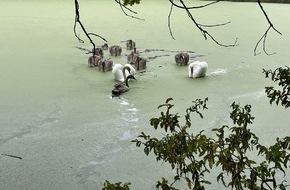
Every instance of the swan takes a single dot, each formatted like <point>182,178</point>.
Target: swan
<point>105,46</point>
<point>98,51</point>
<point>105,64</point>
<point>120,72</point>
<point>115,50</point>
<point>132,57</point>
<point>122,87</point>
<point>197,69</point>
<point>140,63</point>
<point>130,44</point>
<point>181,58</point>
<point>94,60</point>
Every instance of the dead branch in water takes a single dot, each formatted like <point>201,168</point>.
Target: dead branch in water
<point>12,156</point>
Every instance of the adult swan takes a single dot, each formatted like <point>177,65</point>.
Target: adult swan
<point>197,69</point>
<point>120,72</point>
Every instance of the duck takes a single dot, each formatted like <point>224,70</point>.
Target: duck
<point>197,69</point>
<point>122,87</point>
<point>120,71</point>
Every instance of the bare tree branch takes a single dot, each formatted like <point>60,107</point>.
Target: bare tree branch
<point>197,7</point>
<point>123,7</point>
<point>264,36</point>
<point>187,9</point>
<point>77,20</point>
<point>169,21</point>
<point>205,33</point>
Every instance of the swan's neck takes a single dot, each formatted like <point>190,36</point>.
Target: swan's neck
<point>191,71</point>
<point>127,82</point>
<point>138,63</point>
<point>124,71</point>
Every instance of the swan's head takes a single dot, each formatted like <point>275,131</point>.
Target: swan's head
<point>130,77</point>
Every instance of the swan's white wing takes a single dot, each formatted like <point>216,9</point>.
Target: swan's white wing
<point>199,69</point>
<point>117,72</point>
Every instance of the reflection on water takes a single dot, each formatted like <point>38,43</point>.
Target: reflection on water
<point>58,114</point>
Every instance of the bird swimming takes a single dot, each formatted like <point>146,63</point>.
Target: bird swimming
<point>197,69</point>
<point>122,87</point>
<point>120,72</point>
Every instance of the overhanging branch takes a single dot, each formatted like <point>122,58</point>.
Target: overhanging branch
<point>264,36</point>
<point>77,20</point>
<point>201,27</point>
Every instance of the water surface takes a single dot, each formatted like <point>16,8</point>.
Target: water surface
<point>57,113</point>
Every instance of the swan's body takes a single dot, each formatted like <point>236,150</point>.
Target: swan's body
<point>105,64</point>
<point>105,46</point>
<point>181,58</point>
<point>98,51</point>
<point>115,50</point>
<point>140,63</point>
<point>121,72</point>
<point>132,57</point>
<point>93,61</point>
<point>122,87</point>
<point>197,69</point>
<point>130,44</point>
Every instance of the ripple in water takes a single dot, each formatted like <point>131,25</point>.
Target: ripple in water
<point>126,135</point>
<point>218,72</point>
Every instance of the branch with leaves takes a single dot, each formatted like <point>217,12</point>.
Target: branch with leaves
<point>193,156</point>
<point>282,77</point>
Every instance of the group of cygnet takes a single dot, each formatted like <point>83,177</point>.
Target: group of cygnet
<point>123,73</point>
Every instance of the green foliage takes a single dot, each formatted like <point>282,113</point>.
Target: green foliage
<point>282,77</point>
<point>231,150</point>
<point>115,186</point>
<point>131,2</point>
<point>193,156</point>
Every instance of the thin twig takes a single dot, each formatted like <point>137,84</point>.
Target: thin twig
<point>122,6</point>
<point>169,21</point>
<point>200,26</point>
<point>77,20</point>
<point>215,25</point>
<point>195,7</point>
<point>264,36</point>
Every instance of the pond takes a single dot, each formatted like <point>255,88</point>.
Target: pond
<point>58,116</point>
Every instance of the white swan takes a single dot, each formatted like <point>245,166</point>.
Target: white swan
<point>120,72</point>
<point>197,69</point>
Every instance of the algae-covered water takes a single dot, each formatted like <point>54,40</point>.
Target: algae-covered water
<point>57,114</point>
